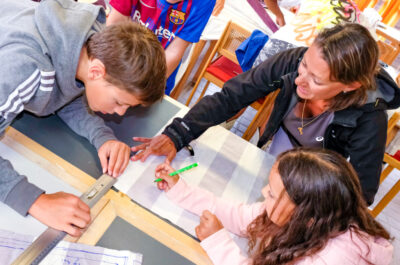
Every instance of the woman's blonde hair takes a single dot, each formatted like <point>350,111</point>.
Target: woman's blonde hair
<point>352,56</point>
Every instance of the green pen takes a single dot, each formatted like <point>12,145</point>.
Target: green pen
<point>176,172</point>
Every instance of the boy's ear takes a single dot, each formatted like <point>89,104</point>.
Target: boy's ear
<point>96,70</point>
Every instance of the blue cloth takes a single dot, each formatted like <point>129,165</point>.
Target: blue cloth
<point>248,51</point>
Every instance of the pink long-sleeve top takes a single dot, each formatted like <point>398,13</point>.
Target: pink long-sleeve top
<point>347,248</point>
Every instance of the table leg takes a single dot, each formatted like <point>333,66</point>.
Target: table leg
<point>212,45</point>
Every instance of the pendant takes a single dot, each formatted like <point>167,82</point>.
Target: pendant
<point>300,130</point>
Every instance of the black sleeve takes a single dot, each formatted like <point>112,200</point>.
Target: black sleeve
<point>366,148</point>
<point>237,93</point>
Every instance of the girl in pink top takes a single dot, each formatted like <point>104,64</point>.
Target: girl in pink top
<point>313,213</point>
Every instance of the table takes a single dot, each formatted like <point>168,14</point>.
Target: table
<point>76,168</point>
<point>118,221</point>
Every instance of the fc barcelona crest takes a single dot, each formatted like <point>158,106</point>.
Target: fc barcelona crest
<point>177,17</point>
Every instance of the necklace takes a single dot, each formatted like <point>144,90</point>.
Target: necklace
<point>300,129</point>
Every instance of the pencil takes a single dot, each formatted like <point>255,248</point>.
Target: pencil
<point>176,172</point>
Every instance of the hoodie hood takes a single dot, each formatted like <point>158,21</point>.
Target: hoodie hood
<point>386,96</point>
<point>41,45</point>
<point>64,26</point>
<point>387,92</point>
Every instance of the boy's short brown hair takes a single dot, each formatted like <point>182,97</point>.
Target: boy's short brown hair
<point>134,59</point>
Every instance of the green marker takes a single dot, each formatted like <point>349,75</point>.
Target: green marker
<point>176,172</point>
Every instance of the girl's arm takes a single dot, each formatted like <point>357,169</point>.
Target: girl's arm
<point>221,249</point>
<point>234,217</point>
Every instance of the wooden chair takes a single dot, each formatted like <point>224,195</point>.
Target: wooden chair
<point>225,67</point>
<point>197,50</point>
<point>389,10</point>
<point>392,163</point>
<point>387,52</point>
<point>389,47</point>
<point>262,115</point>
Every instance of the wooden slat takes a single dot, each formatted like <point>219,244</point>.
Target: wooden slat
<point>111,205</point>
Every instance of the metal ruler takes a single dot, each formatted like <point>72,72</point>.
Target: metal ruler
<point>39,249</point>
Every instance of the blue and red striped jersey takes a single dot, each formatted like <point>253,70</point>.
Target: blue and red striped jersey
<point>185,19</point>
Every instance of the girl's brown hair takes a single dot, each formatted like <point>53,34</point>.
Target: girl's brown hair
<point>352,56</point>
<point>327,194</point>
<point>134,59</point>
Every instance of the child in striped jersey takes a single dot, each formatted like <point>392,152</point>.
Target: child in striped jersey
<point>176,23</point>
<point>53,53</point>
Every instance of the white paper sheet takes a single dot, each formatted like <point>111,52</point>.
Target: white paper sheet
<point>13,244</point>
<point>228,166</point>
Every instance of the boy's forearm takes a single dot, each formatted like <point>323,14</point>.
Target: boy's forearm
<point>174,54</point>
<point>15,190</point>
<point>90,126</point>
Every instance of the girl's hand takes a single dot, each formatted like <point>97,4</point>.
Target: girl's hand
<point>209,224</point>
<point>168,181</point>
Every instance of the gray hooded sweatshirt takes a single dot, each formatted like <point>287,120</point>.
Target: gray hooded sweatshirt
<point>40,47</point>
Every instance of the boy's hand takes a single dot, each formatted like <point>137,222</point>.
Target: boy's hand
<point>209,224</point>
<point>114,157</point>
<point>158,145</point>
<point>62,211</point>
<point>168,181</point>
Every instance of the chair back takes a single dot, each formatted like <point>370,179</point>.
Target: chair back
<point>230,40</point>
<point>387,52</point>
<point>393,162</point>
<point>392,128</point>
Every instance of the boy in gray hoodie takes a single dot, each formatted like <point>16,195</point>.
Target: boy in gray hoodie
<point>54,53</point>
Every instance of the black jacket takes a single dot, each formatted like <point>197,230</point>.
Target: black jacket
<point>356,133</point>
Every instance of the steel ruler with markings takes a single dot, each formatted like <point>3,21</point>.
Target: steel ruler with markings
<point>39,249</point>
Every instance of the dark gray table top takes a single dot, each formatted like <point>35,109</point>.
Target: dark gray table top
<point>123,236</point>
<point>56,136</point>
<point>52,133</point>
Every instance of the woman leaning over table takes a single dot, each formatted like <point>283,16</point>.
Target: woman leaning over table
<point>332,95</point>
